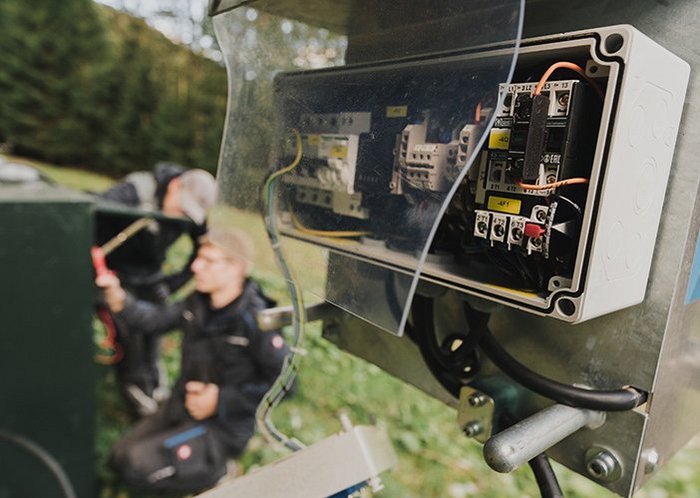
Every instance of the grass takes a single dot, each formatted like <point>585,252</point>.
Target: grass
<point>435,460</point>
<point>68,177</point>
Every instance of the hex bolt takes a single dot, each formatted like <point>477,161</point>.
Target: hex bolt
<point>477,400</point>
<point>473,428</point>
<point>651,460</point>
<point>602,465</point>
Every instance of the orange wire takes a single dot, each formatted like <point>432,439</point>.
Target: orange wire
<point>561,183</point>
<point>567,65</point>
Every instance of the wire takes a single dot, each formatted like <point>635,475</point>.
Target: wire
<point>450,367</point>
<point>110,340</point>
<point>422,314</point>
<point>548,186</point>
<point>573,67</point>
<point>44,457</point>
<point>593,399</point>
<point>285,381</point>
<point>571,203</point>
<point>545,477</point>
<point>325,233</point>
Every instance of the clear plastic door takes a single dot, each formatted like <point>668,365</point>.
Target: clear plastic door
<point>350,126</point>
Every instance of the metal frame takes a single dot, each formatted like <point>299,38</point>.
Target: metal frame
<point>652,345</point>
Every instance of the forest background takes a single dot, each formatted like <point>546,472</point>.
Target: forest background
<point>86,85</point>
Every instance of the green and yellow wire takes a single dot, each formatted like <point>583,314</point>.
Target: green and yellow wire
<point>289,370</point>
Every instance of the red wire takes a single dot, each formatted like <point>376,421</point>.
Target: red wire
<point>110,340</point>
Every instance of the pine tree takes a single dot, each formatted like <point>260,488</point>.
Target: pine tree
<point>127,144</point>
<point>50,54</point>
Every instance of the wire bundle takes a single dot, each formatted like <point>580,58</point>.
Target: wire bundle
<point>290,368</point>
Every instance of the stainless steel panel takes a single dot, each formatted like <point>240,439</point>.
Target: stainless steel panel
<point>343,460</point>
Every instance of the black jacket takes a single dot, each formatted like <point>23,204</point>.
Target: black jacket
<point>222,346</point>
<point>138,261</point>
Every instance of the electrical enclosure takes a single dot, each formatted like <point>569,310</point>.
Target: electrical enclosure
<point>559,211</point>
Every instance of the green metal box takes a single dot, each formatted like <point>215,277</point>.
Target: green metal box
<point>47,371</point>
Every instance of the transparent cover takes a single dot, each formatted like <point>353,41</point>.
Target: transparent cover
<point>350,126</point>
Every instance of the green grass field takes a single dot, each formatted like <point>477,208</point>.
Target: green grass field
<point>435,459</point>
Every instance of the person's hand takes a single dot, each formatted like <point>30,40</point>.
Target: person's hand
<point>114,295</point>
<point>201,399</point>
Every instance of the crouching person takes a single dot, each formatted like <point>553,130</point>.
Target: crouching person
<point>227,366</point>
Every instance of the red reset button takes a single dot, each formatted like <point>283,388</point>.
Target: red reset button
<point>533,230</point>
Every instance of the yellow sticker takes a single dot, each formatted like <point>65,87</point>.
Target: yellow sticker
<point>313,139</point>
<point>397,111</point>
<point>504,205</point>
<point>499,138</point>
<point>339,151</point>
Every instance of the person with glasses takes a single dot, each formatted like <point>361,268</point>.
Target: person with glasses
<point>227,366</point>
<point>185,196</point>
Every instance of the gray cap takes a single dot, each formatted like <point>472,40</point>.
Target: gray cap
<point>234,242</point>
<point>197,194</point>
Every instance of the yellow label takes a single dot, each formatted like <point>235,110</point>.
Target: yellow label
<point>313,139</point>
<point>339,151</point>
<point>499,138</point>
<point>504,205</point>
<point>397,111</point>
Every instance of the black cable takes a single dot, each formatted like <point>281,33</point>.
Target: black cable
<point>422,315</point>
<point>44,457</point>
<point>593,399</point>
<point>572,204</point>
<point>545,477</point>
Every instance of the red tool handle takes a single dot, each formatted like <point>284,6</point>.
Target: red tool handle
<point>110,341</point>
<point>99,261</point>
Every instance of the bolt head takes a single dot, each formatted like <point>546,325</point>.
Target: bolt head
<point>477,400</point>
<point>651,461</point>
<point>602,466</point>
<point>473,428</point>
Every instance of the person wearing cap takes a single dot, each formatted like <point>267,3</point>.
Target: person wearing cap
<point>185,196</point>
<point>227,366</point>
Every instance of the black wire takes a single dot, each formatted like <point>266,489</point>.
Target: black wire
<point>44,457</point>
<point>545,477</point>
<point>571,203</point>
<point>498,260</point>
<point>420,332</point>
<point>593,399</point>
<point>535,279</point>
